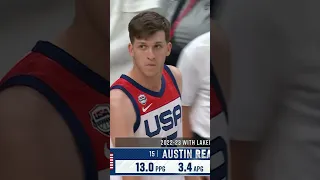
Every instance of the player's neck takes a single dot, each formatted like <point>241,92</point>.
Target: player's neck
<point>152,83</point>
<point>83,43</point>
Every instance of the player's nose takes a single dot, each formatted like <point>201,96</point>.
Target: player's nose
<point>150,54</point>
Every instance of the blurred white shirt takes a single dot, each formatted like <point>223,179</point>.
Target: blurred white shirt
<point>194,64</point>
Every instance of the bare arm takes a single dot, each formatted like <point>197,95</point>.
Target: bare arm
<point>122,119</point>
<point>122,115</point>
<point>35,141</point>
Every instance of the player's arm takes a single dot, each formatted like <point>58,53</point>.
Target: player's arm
<point>122,115</point>
<point>35,141</point>
<point>122,119</point>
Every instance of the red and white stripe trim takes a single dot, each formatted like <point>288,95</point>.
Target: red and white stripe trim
<point>111,160</point>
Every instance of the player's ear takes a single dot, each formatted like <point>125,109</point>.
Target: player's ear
<point>130,49</point>
<point>169,47</point>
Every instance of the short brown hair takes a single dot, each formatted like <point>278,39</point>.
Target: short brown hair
<point>146,24</point>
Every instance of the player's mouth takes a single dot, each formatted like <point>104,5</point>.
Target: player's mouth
<point>151,65</point>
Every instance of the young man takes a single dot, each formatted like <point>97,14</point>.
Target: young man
<point>150,89</point>
<point>54,104</point>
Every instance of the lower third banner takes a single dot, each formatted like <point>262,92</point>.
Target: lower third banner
<point>160,161</point>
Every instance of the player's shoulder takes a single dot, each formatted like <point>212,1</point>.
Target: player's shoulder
<point>175,71</point>
<point>119,98</point>
<point>23,103</point>
<point>177,76</point>
<point>27,111</point>
<point>26,114</point>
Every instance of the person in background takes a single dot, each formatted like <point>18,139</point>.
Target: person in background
<point>196,84</point>
<point>206,81</point>
<point>189,19</point>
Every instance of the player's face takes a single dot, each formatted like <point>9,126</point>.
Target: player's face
<point>150,54</point>
<point>97,12</point>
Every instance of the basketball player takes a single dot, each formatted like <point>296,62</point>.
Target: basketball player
<point>150,89</point>
<point>54,104</point>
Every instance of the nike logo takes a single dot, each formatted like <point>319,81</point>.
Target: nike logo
<point>144,109</point>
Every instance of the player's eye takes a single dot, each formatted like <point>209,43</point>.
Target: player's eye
<point>142,46</point>
<point>158,46</point>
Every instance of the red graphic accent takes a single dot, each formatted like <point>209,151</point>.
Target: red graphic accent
<point>183,14</point>
<point>215,105</point>
<point>111,160</point>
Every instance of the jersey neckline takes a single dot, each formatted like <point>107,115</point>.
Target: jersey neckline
<point>145,90</point>
<point>72,65</point>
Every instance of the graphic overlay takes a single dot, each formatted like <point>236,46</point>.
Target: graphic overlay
<point>157,160</point>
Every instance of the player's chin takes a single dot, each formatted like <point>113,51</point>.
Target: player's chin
<point>151,72</point>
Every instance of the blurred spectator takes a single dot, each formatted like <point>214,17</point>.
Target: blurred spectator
<point>196,88</point>
<point>189,19</point>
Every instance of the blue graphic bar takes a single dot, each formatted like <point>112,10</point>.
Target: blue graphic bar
<point>161,154</point>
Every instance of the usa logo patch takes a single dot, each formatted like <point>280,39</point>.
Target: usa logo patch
<point>100,118</point>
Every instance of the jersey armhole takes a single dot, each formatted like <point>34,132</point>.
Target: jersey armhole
<point>80,136</point>
<point>134,103</point>
<point>172,78</point>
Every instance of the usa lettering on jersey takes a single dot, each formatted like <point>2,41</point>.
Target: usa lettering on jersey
<point>163,120</point>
